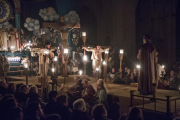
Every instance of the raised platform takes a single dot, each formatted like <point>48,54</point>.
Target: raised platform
<point>120,90</point>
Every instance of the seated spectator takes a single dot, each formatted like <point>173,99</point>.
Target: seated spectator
<point>79,108</point>
<point>14,114</point>
<point>7,96</point>
<point>34,97</point>
<point>99,112</point>
<point>134,114</point>
<point>128,73</point>
<point>101,93</point>
<point>7,105</point>
<point>11,88</point>
<point>76,89</point>
<point>53,117</point>
<point>113,107</point>
<point>51,102</point>
<point>22,95</point>
<point>172,79</point>
<point>62,107</point>
<point>119,79</point>
<point>3,89</point>
<point>88,92</point>
<point>129,80</point>
<point>124,72</point>
<point>17,90</point>
<point>111,75</point>
<point>34,112</point>
<point>135,74</point>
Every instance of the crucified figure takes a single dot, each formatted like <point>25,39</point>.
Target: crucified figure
<point>96,58</point>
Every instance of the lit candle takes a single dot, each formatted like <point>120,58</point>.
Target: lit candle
<point>55,58</point>
<point>80,72</point>
<point>84,34</point>
<point>138,66</point>
<point>106,51</point>
<point>53,70</point>
<point>25,65</point>
<point>104,62</point>
<point>121,51</point>
<point>65,51</point>
<point>85,57</point>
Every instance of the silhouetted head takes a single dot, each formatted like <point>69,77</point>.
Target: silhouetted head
<point>99,111</point>
<point>53,117</point>
<point>146,38</point>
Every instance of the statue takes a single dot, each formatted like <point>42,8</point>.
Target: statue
<point>4,39</point>
<point>15,40</point>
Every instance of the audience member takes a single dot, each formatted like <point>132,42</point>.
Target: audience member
<point>34,97</point>
<point>53,117</point>
<point>3,89</point>
<point>76,89</point>
<point>113,107</point>
<point>14,114</point>
<point>135,74</point>
<point>101,93</point>
<point>34,111</point>
<point>111,75</point>
<point>171,83</point>
<point>51,102</point>
<point>88,92</point>
<point>22,95</point>
<point>135,114</point>
<point>62,107</point>
<point>11,88</point>
<point>79,108</point>
<point>99,112</point>
<point>124,72</point>
<point>119,79</point>
<point>75,92</point>
<point>17,90</point>
<point>129,80</point>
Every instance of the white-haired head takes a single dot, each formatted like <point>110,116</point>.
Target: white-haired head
<point>100,84</point>
<point>79,105</point>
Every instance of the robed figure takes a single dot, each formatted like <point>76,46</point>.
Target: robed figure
<point>148,61</point>
<point>15,40</point>
<point>4,39</point>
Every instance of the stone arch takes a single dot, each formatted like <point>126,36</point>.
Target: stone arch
<point>88,24</point>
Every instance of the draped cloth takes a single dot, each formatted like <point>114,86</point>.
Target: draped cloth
<point>4,39</point>
<point>148,71</point>
<point>15,41</point>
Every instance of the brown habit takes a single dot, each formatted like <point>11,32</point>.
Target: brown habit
<point>148,71</point>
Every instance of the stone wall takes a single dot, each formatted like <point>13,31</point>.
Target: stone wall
<point>123,22</point>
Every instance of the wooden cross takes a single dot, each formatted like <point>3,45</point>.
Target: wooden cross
<point>64,36</point>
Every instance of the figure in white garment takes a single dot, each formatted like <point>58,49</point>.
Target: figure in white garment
<point>4,39</point>
<point>96,58</point>
<point>15,40</point>
<point>44,55</point>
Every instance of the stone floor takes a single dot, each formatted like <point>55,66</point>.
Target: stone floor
<point>122,91</point>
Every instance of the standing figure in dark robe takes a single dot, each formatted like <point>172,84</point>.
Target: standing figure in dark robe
<point>148,61</point>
